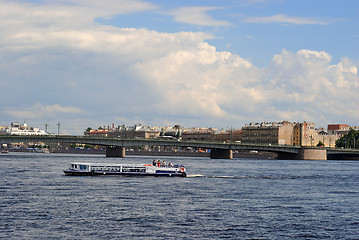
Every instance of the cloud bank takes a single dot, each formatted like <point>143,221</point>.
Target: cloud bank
<point>57,64</point>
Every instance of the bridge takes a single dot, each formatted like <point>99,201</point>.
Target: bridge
<point>115,147</point>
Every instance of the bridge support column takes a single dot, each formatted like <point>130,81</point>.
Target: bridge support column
<point>312,154</point>
<point>221,154</point>
<point>115,151</point>
<point>305,154</point>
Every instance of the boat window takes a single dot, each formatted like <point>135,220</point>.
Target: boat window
<point>74,166</point>
<point>83,167</point>
<point>106,168</point>
<point>133,169</point>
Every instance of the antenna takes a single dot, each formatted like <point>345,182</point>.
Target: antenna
<point>46,125</point>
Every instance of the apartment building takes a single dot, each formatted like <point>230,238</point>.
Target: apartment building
<point>268,133</point>
<point>233,135</point>
<point>300,134</point>
<point>198,134</point>
<point>304,134</point>
<point>136,131</point>
<point>339,129</point>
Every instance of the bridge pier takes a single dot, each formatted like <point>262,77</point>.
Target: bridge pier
<point>305,154</point>
<point>115,151</point>
<point>221,154</point>
<point>312,154</point>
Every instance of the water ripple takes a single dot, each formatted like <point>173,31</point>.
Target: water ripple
<point>234,199</point>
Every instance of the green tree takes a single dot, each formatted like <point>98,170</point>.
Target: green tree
<point>87,130</point>
<point>350,140</point>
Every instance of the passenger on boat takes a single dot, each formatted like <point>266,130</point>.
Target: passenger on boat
<point>158,163</point>
<point>164,163</point>
<point>170,164</point>
<point>154,162</point>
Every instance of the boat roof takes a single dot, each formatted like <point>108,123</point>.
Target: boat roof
<point>111,164</point>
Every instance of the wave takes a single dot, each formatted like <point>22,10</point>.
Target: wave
<point>196,175</point>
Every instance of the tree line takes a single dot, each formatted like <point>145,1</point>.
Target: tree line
<point>349,140</point>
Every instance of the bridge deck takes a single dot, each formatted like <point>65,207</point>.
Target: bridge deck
<point>119,142</point>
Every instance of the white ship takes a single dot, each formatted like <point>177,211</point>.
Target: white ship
<point>90,169</point>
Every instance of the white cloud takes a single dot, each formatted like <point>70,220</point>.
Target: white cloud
<point>71,14</point>
<point>285,19</point>
<point>306,81</point>
<point>107,8</point>
<point>40,111</point>
<point>197,16</point>
<point>106,73</point>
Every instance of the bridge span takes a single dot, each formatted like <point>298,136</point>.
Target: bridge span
<point>115,147</point>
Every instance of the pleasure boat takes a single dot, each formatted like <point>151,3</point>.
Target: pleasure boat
<point>91,169</point>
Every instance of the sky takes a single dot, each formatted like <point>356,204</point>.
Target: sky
<point>207,63</point>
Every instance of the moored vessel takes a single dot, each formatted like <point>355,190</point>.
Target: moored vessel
<point>92,169</point>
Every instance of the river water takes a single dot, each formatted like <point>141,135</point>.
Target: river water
<point>233,199</point>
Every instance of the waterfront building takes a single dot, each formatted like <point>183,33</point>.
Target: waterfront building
<point>276,133</point>
<point>21,129</point>
<point>328,140</point>
<point>339,129</point>
<point>304,134</point>
<point>136,131</point>
<point>198,134</point>
<point>98,133</point>
<point>298,133</point>
<point>232,135</point>
<point>268,133</point>
<point>122,131</point>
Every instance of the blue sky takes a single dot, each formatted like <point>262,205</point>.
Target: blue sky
<point>196,63</point>
<point>258,29</point>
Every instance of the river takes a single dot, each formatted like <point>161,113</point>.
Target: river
<point>232,199</point>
